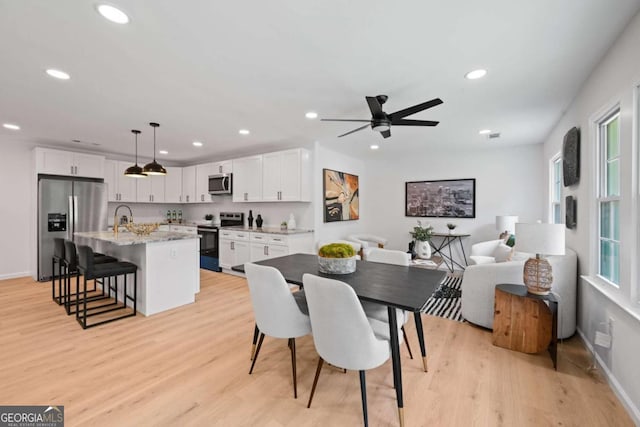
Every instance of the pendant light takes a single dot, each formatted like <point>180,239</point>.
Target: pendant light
<point>154,168</point>
<point>135,171</point>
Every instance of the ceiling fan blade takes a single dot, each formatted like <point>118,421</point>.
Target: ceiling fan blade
<point>405,122</point>
<point>355,130</point>
<point>345,120</point>
<point>386,133</point>
<point>415,109</point>
<point>374,106</point>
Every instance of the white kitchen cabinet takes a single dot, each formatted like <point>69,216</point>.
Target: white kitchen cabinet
<point>202,181</point>
<point>234,248</point>
<point>189,184</point>
<point>173,185</point>
<point>188,229</point>
<point>286,176</point>
<point>247,179</point>
<point>57,162</point>
<point>121,188</point>
<point>225,167</point>
<point>150,189</point>
<point>263,246</point>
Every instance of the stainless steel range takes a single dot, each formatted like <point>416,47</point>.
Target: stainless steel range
<point>209,242</point>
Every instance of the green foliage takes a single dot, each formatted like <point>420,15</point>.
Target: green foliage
<point>451,225</point>
<point>337,250</point>
<point>208,217</point>
<point>420,233</point>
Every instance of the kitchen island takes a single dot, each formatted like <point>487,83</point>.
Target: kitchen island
<point>168,265</point>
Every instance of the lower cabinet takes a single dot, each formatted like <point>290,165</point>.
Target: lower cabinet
<point>238,247</point>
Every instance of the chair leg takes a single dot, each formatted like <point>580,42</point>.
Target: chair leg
<point>315,381</point>
<point>363,392</point>
<point>255,356</point>
<point>292,345</point>
<point>256,332</point>
<point>406,341</point>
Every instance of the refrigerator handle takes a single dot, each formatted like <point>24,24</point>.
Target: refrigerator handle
<point>70,219</point>
<point>75,216</point>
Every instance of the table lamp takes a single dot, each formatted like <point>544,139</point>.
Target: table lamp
<point>506,225</point>
<point>540,239</point>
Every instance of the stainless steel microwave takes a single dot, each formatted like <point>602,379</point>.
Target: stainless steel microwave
<point>220,184</point>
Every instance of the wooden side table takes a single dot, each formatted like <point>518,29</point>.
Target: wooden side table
<point>524,322</point>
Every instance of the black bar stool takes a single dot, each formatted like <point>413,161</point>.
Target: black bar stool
<point>58,258</point>
<point>70,267</point>
<point>91,270</point>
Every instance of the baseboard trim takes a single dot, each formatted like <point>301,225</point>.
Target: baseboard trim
<point>631,408</point>
<point>14,275</point>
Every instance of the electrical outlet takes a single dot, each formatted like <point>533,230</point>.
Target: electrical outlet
<point>603,340</point>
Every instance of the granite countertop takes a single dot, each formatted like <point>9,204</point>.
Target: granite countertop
<point>268,230</point>
<point>125,238</point>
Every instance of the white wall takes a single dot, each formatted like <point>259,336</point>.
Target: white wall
<point>613,81</point>
<point>15,208</point>
<point>508,182</point>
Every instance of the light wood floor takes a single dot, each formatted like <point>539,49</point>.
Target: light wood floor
<point>189,367</point>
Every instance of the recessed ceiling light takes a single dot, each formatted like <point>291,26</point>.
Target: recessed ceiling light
<point>113,14</point>
<point>163,152</point>
<point>311,115</point>
<point>244,132</point>
<point>197,144</point>
<point>11,126</point>
<point>58,74</point>
<point>476,74</point>
<point>374,147</point>
<point>485,131</point>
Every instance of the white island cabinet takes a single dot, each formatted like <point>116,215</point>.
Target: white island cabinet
<point>168,265</point>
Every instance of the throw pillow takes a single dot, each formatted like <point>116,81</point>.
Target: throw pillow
<point>502,253</point>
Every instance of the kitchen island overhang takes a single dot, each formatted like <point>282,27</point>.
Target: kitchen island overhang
<point>168,265</point>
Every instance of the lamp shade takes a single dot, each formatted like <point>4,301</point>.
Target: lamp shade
<point>544,239</point>
<point>506,223</point>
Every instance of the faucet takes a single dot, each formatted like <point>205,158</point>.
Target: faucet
<point>115,218</point>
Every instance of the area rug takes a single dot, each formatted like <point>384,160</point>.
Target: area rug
<point>445,301</point>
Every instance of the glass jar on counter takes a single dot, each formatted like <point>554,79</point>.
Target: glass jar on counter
<point>174,216</point>
<point>180,216</point>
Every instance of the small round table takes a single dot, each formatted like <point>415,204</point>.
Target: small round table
<point>525,322</point>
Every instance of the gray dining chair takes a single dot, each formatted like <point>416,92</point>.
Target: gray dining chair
<point>342,333</point>
<point>379,311</point>
<point>276,311</point>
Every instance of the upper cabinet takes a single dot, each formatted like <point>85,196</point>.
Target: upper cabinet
<point>225,167</point>
<point>189,184</point>
<point>283,176</point>
<point>121,188</point>
<point>57,162</point>
<point>247,179</point>
<point>202,181</point>
<point>173,185</point>
<point>150,189</point>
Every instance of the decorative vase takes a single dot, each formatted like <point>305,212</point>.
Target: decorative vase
<point>259,221</point>
<point>291,224</point>
<point>423,249</point>
<point>451,230</point>
<point>336,265</point>
<point>250,219</point>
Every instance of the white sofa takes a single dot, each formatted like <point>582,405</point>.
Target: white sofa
<point>479,282</point>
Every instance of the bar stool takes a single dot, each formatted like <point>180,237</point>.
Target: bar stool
<point>58,258</point>
<point>91,270</point>
<point>70,266</point>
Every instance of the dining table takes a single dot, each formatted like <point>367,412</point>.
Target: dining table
<point>395,286</point>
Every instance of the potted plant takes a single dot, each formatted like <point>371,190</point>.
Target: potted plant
<point>283,225</point>
<point>421,235</point>
<point>337,258</point>
<point>209,217</point>
<point>451,226</point>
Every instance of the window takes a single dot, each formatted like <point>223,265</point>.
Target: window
<point>609,198</point>
<point>556,189</point>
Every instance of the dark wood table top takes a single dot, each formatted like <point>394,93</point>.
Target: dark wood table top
<point>407,288</point>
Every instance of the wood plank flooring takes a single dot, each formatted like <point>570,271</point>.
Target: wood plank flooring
<point>189,367</point>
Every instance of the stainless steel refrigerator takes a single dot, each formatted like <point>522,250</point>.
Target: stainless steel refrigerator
<point>66,206</point>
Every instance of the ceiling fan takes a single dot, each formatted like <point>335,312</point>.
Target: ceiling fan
<point>382,122</point>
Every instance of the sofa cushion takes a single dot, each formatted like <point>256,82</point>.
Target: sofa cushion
<point>480,259</point>
<point>502,253</point>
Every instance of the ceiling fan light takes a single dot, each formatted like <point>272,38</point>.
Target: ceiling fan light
<point>381,127</point>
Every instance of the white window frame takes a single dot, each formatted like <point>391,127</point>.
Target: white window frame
<point>635,191</point>
<point>601,183</point>
<point>557,158</point>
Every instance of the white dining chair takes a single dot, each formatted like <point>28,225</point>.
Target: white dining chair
<point>342,333</point>
<point>276,311</point>
<point>379,311</point>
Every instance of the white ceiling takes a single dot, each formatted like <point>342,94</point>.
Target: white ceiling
<point>204,69</point>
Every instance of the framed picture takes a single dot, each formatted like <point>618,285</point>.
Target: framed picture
<point>341,196</point>
<point>448,198</point>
